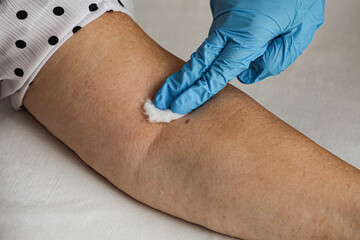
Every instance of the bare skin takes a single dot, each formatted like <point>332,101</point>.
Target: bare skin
<point>231,165</point>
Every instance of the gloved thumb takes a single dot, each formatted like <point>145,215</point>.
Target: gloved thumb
<point>280,53</point>
<point>278,56</point>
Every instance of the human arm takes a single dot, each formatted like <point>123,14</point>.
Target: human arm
<point>230,158</point>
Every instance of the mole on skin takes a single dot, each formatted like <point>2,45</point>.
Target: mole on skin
<point>187,120</point>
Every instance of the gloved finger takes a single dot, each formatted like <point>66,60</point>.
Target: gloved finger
<point>191,72</point>
<point>234,59</point>
<point>277,57</point>
<point>282,51</point>
<point>280,54</point>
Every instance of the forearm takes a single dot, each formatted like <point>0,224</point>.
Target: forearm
<point>250,175</point>
<point>92,100</point>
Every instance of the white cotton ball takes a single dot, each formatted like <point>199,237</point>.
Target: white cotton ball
<point>156,115</point>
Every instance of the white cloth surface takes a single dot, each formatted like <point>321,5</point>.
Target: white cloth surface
<point>156,115</point>
<point>47,192</point>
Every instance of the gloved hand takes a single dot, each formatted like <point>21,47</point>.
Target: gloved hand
<point>250,39</point>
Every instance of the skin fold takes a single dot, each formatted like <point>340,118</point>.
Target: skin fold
<point>231,165</point>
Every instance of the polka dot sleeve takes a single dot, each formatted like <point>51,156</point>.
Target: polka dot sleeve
<point>31,32</point>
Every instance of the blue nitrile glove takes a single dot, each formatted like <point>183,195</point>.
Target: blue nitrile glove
<point>250,39</point>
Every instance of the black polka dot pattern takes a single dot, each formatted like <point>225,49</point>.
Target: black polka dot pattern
<point>121,3</point>
<point>20,44</point>
<point>93,7</point>
<point>19,72</point>
<point>75,29</point>
<point>58,11</point>
<point>53,40</point>
<point>21,15</point>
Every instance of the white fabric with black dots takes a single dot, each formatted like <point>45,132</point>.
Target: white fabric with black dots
<point>32,30</point>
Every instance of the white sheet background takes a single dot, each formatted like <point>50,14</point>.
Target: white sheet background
<point>47,192</point>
